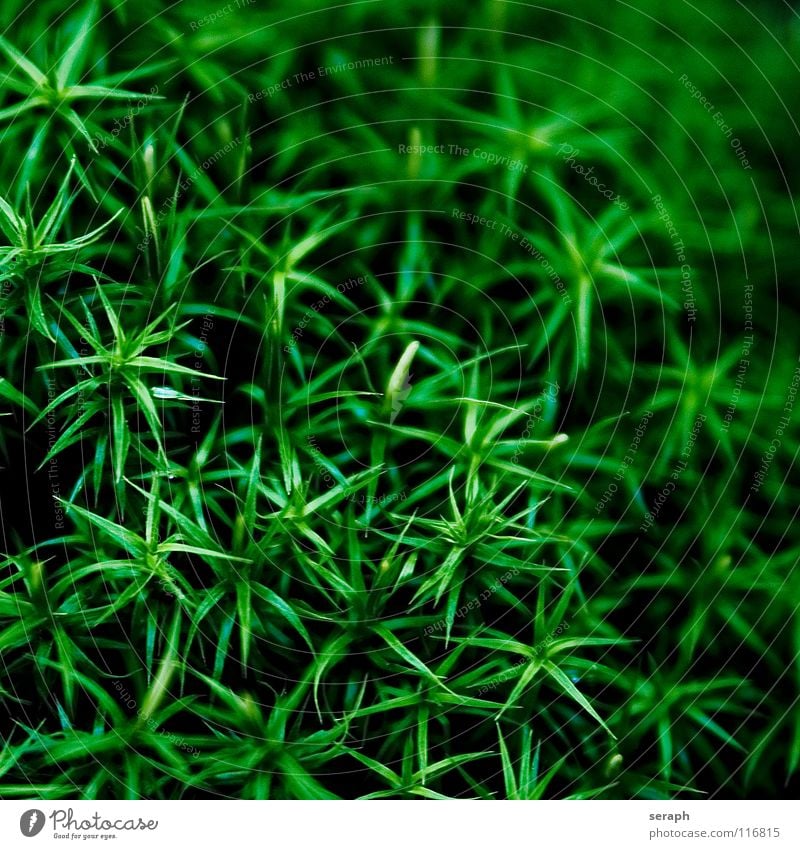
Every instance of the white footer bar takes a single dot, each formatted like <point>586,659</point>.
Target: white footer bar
<point>401,825</point>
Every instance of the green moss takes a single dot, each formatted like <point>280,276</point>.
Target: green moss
<point>398,400</point>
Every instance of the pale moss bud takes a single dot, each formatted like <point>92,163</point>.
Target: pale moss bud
<point>428,52</point>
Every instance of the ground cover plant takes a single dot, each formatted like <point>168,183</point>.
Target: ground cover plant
<point>398,400</point>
